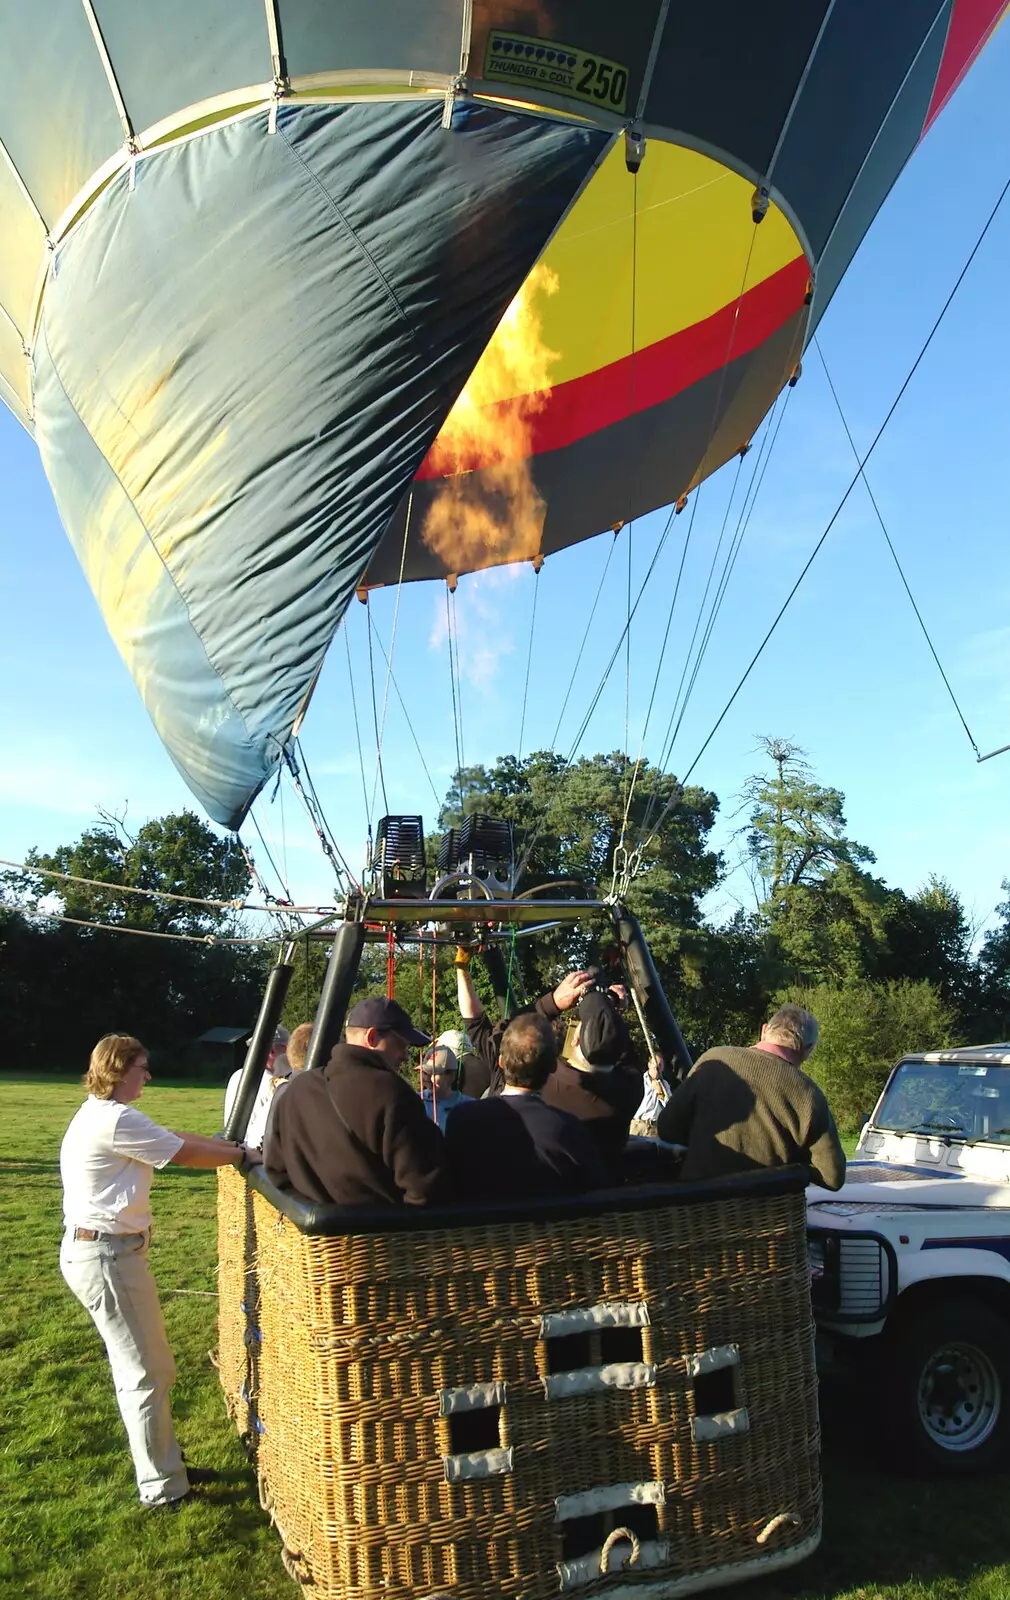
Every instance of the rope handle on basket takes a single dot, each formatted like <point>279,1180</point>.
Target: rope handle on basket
<point>619,1536</point>
<point>784,1518</point>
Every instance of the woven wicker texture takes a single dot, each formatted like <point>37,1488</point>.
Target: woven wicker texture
<point>337,1354</point>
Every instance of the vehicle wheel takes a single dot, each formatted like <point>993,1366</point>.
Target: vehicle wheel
<point>945,1378</point>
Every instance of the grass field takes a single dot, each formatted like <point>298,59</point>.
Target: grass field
<point>69,1523</point>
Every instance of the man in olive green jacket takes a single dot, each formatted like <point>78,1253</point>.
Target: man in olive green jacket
<point>741,1108</point>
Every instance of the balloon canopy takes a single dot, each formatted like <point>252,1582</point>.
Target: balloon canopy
<point>299,298</point>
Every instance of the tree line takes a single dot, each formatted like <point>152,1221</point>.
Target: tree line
<point>885,971</point>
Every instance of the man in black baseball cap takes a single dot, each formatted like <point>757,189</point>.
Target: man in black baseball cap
<point>356,1133</point>
<point>384,1017</point>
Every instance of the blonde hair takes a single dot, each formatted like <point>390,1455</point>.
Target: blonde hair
<point>111,1059</point>
<point>298,1046</point>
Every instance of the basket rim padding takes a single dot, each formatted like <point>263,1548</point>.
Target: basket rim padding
<point>314,1219</point>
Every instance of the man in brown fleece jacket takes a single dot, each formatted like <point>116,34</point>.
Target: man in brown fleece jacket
<point>356,1133</point>
<point>743,1108</point>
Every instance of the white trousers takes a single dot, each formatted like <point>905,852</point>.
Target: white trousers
<point>114,1283</point>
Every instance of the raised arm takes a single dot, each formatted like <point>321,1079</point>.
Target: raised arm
<point>467,998</point>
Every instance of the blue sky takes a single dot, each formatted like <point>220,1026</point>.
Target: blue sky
<point>847,675</point>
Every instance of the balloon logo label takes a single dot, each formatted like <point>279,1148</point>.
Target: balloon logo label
<point>563,69</point>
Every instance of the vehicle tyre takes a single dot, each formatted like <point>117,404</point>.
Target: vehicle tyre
<point>945,1387</point>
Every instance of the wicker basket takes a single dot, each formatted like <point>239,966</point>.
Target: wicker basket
<point>619,1401</point>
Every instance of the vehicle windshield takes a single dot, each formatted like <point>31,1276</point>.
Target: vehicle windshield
<point>962,1099</point>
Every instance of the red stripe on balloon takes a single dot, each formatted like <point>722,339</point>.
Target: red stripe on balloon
<point>972,24</point>
<point>582,406</point>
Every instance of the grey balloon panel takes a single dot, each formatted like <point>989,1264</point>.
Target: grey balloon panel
<point>623,471</point>
<point>892,148</point>
<point>170,54</point>
<point>58,117</point>
<point>409,35</point>
<point>855,77</point>
<point>727,74</point>
<point>262,340</point>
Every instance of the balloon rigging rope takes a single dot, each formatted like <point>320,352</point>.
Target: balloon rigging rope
<point>856,478</point>
<point>375,722</point>
<point>381,729</point>
<point>529,658</point>
<point>459,675</point>
<point>455,713</point>
<point>410,725</point>
<point>357,726</point>
<point>269,855</point>
<point>585,640</point>
<point>739,533</point>
<point>713,426</point>
<point>760,468</point>
<point>894,553</point>
<point>659,665</point>
<point>541,821</point>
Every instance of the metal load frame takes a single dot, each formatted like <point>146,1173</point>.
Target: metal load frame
<point>364,919</point>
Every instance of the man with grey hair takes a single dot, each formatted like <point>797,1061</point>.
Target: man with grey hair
<point>740,1108</point>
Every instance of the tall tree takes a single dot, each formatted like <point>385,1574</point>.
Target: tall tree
<point>796,834</point>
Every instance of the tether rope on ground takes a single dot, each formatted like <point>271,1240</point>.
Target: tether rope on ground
<point>856,478</point>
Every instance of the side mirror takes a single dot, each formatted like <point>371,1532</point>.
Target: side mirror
<point>864,1117</point>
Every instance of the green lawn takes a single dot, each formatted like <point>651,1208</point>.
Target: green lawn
<point>69,1525</point>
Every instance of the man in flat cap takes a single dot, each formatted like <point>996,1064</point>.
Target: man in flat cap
<point>356,1133</point>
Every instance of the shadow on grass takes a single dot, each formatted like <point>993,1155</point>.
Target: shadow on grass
<point>881,1528</point>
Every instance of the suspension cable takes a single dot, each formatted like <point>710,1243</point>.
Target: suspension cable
<point>659,668</point>
<point>410,725</point>
<point>381,730</point>
<point>375,725</point>
<point>585,636</point>
<point>459,674</point>
<point>894,554</point>
<point>455,714</point>
<point>529,659</point>
<point>357,727</point>
<point>317,817</point>
<point>269,855</point>
<point>856,477</point>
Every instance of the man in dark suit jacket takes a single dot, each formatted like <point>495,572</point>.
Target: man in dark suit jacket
<point>515,1146</point>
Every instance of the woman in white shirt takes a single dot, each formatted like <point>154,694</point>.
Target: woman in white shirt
<point>107,1161</point>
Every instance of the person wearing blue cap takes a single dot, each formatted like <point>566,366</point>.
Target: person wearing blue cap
<point>356,1133</point>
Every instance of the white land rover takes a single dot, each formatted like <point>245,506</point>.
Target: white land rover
<point>910,1261</point>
